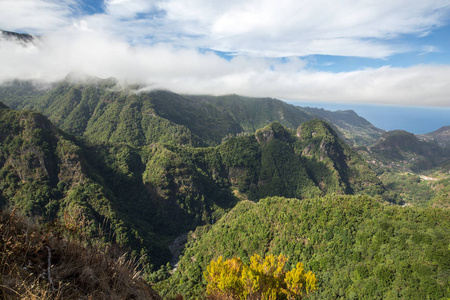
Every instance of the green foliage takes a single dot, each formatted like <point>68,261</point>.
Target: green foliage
<point>357,247</point>
<point>410,188</point>
<point>442,191</point>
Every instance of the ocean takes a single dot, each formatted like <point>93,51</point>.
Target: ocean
<point>418,120</point>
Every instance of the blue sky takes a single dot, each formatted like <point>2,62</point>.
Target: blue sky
<point>321,51</point>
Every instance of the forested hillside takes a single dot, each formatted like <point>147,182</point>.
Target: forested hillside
<point>358,247</point>
<point>86,107</point>
<point>354,129</point>
<point>403,151</point>
<point>44,172</point>
<point>141,170</point>
<point>148,195</point>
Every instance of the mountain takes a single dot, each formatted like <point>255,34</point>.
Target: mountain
<point>358,247</point>
<point>309,162</point>
<point>403,150</point>
<point>44,172</point>
<point>99,111</point>
<point>321,143</point>
<point>441,136</point>
<point>353,128</point>
<point>142,197</point>
<point>137,171</point>
<point>254,113</point>
<point>147,196</point>
<point>84,107</point>
<point>14,36</point>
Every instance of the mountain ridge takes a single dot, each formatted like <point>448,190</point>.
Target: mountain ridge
<point>147,168</point>
<point>441,136</point>
<point>348,122</point>
<point>21,37</point>
<point>78,109</point>
<point>45,171</point>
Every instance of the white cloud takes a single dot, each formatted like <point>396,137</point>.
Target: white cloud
<point>36,16</point>
<point>253,27</point>
<point>292,27</point>
<point>189,71</point>
<point>128,8</point>
<point>165,36</point>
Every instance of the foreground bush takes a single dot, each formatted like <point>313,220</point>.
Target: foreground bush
<point>263,278</point>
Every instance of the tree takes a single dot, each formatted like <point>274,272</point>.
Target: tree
<point>263,278</point>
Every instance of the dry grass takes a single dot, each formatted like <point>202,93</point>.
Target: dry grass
<point>76,272</point>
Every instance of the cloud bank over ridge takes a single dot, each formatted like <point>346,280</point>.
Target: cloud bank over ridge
<point>174,44</point>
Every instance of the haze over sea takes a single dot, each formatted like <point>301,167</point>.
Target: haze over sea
<point>415,119</point>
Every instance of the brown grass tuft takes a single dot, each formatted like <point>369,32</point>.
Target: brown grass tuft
<point>76,272</point>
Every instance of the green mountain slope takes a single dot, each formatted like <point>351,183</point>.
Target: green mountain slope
<point>353,128</point>
<point>46,173</point>
<point>149,195</point>
<point>402,149</point>
<point>100,113</point>
<point>441,136</point>
<point>254,113</point>
<point>358,247</point>
<point>314,162</point>
<point>103,110</point>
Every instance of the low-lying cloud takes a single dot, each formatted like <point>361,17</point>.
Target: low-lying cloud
<point>161,44</point>
<point>184,70</point>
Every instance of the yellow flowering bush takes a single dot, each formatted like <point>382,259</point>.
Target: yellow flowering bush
<point>263,278</point>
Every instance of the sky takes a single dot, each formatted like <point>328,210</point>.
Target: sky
<point>367,52</point>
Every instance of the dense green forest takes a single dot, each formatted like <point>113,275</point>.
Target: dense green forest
<point>358,247</point>
<point>141,170</point>
<point>146,196</point>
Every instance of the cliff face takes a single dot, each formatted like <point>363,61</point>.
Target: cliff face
<point>46,173</point>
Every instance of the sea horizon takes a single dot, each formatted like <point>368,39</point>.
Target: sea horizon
<point>414,119</point>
